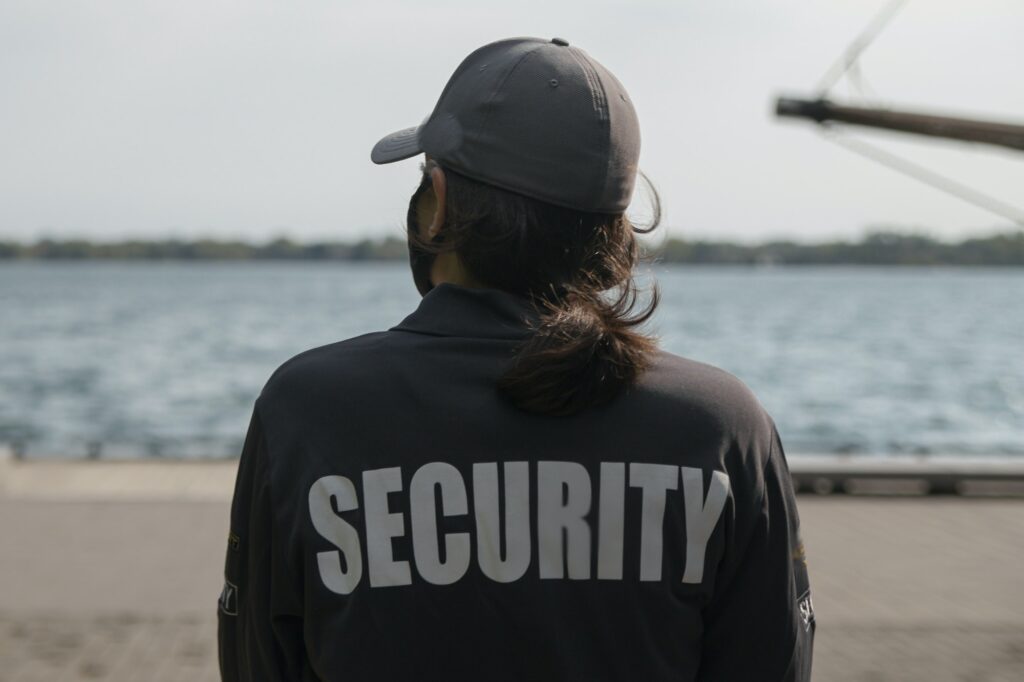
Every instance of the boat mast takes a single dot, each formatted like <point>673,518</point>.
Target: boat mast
<point>824,111</point>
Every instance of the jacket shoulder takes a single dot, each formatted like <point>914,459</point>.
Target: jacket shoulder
<point>706,394</point>
<point>303,371</point>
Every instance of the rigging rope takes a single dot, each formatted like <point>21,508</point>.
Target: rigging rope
<point>847,65</point>
<point>853,52</point>
<point>922,174</point>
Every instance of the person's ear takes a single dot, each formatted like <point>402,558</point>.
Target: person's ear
<point>440,187</point>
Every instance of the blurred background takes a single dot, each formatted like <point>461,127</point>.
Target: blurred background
<point>187,200</point>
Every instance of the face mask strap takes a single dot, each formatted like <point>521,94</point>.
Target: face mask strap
<point>420,261</point>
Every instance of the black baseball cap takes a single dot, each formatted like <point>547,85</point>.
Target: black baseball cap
<point>538,117</point>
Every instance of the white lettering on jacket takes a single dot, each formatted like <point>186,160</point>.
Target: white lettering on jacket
<point>499,522</point>
<point>381,526</point>
<point>512,564</point>
<point>563,534</point>
<point>328,496</point>
<point>426,482</point>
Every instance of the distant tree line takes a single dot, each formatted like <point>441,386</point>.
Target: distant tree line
<point>205,249</point>
<point>877,248</point>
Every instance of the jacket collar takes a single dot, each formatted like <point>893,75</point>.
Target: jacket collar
<point>454,310</point>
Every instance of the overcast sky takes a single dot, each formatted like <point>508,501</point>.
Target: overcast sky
<point>254,119</point>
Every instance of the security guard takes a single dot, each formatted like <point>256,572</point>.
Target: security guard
<point>514,483</point>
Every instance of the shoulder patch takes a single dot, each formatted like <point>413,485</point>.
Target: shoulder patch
<point>228,602</point>
<point>800,554</point>
<point>806,607</point>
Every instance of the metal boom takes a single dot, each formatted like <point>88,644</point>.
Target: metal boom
<point>1009,135</point>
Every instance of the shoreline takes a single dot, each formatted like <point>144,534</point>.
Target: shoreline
<point>920,590</point>
<point>152,479</point>
<point>116,567</point>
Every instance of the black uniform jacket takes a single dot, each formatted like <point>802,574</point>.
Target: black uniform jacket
<point>395,519</point>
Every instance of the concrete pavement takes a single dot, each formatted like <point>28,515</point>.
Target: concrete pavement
<point>111,571</point>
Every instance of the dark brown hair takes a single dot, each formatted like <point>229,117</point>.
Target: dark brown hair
<point>577,267</point>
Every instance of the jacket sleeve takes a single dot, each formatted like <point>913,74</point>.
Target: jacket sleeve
<point>258,639</point>
<point>760,622</point>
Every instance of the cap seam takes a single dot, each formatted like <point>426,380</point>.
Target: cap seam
<point>599,98</point>
<point>499,86</point>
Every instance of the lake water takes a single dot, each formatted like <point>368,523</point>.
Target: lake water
<point>166,359</point>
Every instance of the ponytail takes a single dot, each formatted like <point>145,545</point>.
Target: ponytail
<point>577,267</point>
<point>583,352</point>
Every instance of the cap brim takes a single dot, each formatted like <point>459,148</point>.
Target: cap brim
<point>397,146</point>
